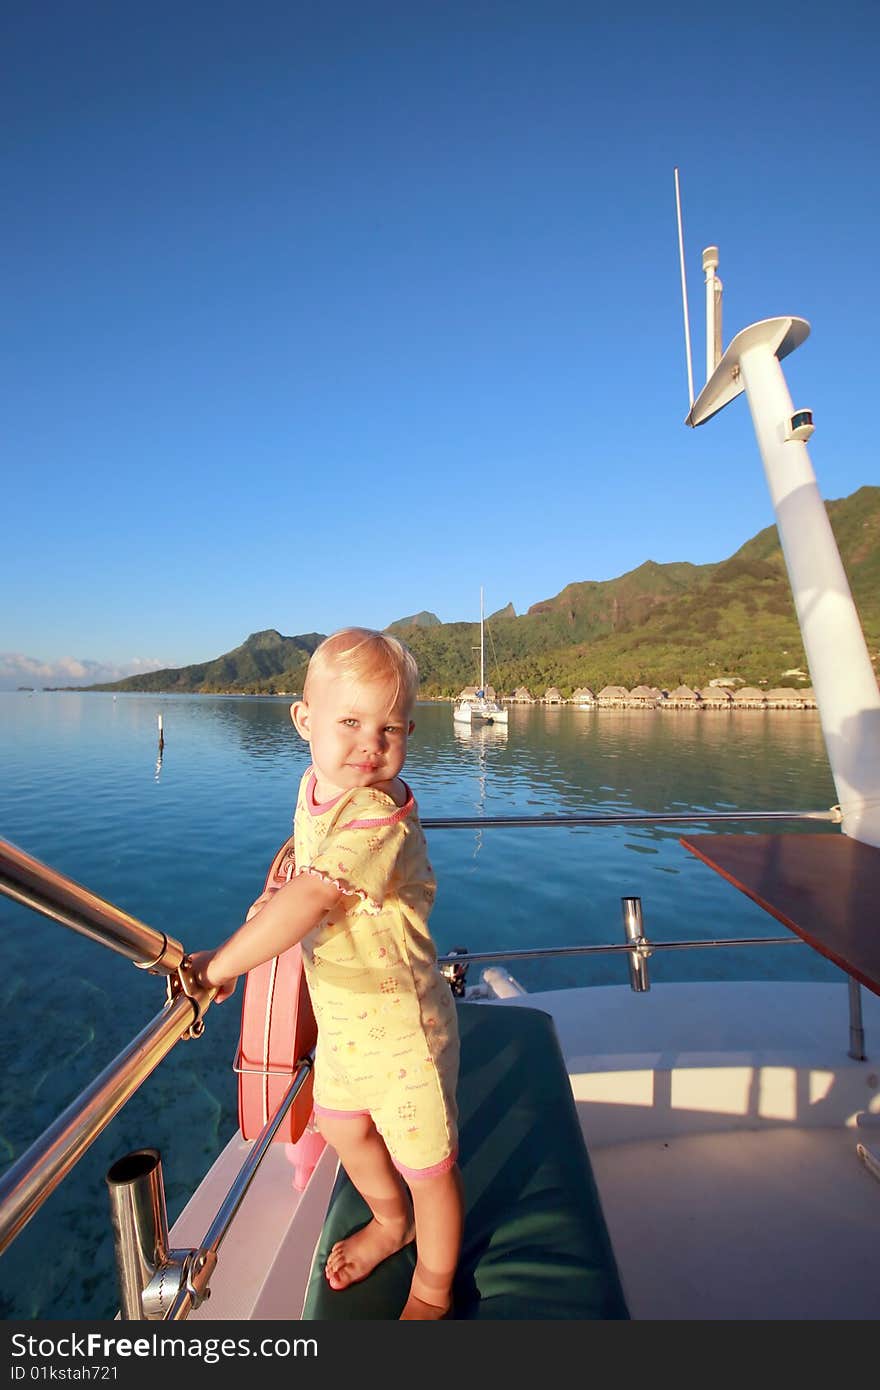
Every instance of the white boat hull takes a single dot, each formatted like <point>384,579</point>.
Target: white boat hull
<point>479,712</point>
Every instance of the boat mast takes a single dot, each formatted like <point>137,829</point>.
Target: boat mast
<point>846,689</point>
<point>482,674</point>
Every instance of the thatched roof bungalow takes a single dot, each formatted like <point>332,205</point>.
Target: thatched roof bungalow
<point>682,697</point>
<point>749,697</point>
<point>553,696</point>
<point>612,696</point>
<point>469,693</point>
<point>715,697</point>
<point>643,696</point>
<point>583,696</point>
<point>522,696</point>
<point>783,697</point>
<point>808,697</point>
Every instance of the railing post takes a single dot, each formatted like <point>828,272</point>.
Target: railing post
<point>856,1031</point>
<point>140,1234</point>
<point>637,957</point>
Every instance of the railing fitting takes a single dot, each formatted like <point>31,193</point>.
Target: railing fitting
<point>149,1273</point>
<point>633,930</point>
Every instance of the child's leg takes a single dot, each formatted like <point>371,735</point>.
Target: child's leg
<point>438,1203</point>
<point>365,1158</point>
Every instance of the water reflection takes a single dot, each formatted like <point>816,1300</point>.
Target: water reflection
<point>562,758</point>
<point>479,738</point>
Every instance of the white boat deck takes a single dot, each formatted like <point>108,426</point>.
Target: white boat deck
<point>722,1123</point>
<point>726,1156</point>
<point>773,1224</point>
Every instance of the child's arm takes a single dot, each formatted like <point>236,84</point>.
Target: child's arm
<point>289,915</point>
<point>259,903</point>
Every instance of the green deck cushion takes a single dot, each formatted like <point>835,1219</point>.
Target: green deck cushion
<point>535,1240</point>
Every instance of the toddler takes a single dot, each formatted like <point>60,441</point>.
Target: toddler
<point>386,1062</point>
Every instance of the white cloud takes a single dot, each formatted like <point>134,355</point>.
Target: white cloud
<point>17,669</point>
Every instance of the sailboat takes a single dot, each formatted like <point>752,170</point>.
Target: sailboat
<point>479,708</point>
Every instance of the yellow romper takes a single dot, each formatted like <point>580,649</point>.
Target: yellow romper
<point>387,1028</point>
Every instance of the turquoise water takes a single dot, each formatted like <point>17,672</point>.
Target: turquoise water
<point>185,846</point>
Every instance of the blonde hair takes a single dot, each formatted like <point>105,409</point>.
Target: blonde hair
<point>360,654</point>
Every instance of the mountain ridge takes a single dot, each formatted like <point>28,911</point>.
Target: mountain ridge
<point>658,624</point>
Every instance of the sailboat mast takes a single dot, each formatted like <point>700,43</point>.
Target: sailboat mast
<point>482,674</point>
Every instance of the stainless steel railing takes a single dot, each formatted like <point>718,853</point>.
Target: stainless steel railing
<point>157,1282</point>
<point>35,884</point>
<point>642,943</point>
<point>35,1175</point>
<point>551,821</point>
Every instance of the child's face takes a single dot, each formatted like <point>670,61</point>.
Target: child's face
<point>358,737</point>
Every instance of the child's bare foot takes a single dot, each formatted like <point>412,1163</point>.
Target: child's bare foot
<point>354,1258</point>
<point>417,1310</point>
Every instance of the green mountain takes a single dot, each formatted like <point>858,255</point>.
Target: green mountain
<point>423,619</point>
<point>266,663</point>
<point>657,625</point>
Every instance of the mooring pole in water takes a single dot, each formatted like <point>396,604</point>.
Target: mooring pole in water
<point>161,735</point>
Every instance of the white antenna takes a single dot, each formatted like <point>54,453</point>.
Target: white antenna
<point>684,295</point>
<point>713,310</point>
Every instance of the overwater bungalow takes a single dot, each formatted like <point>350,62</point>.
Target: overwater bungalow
<point>612,697</point>
<point>583,696</point>
<point>808,697</point>
<point>783,697</point>
<point>553,696</point>
<point>682,697</point>
<point>522,696</point>
<point>749,697</point>
<point>643,697</point>
<point>715,697</point>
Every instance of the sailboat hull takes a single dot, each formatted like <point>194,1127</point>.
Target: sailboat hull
<point>479,712</point>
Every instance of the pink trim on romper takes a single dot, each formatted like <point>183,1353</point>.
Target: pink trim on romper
<point>414,1173</point>
<point>373,909</point>
<point>318,808</point>
<point>434,1172</point>
<point>339,1114</point>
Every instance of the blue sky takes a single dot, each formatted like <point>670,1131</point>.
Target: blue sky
<point>320,313</point>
